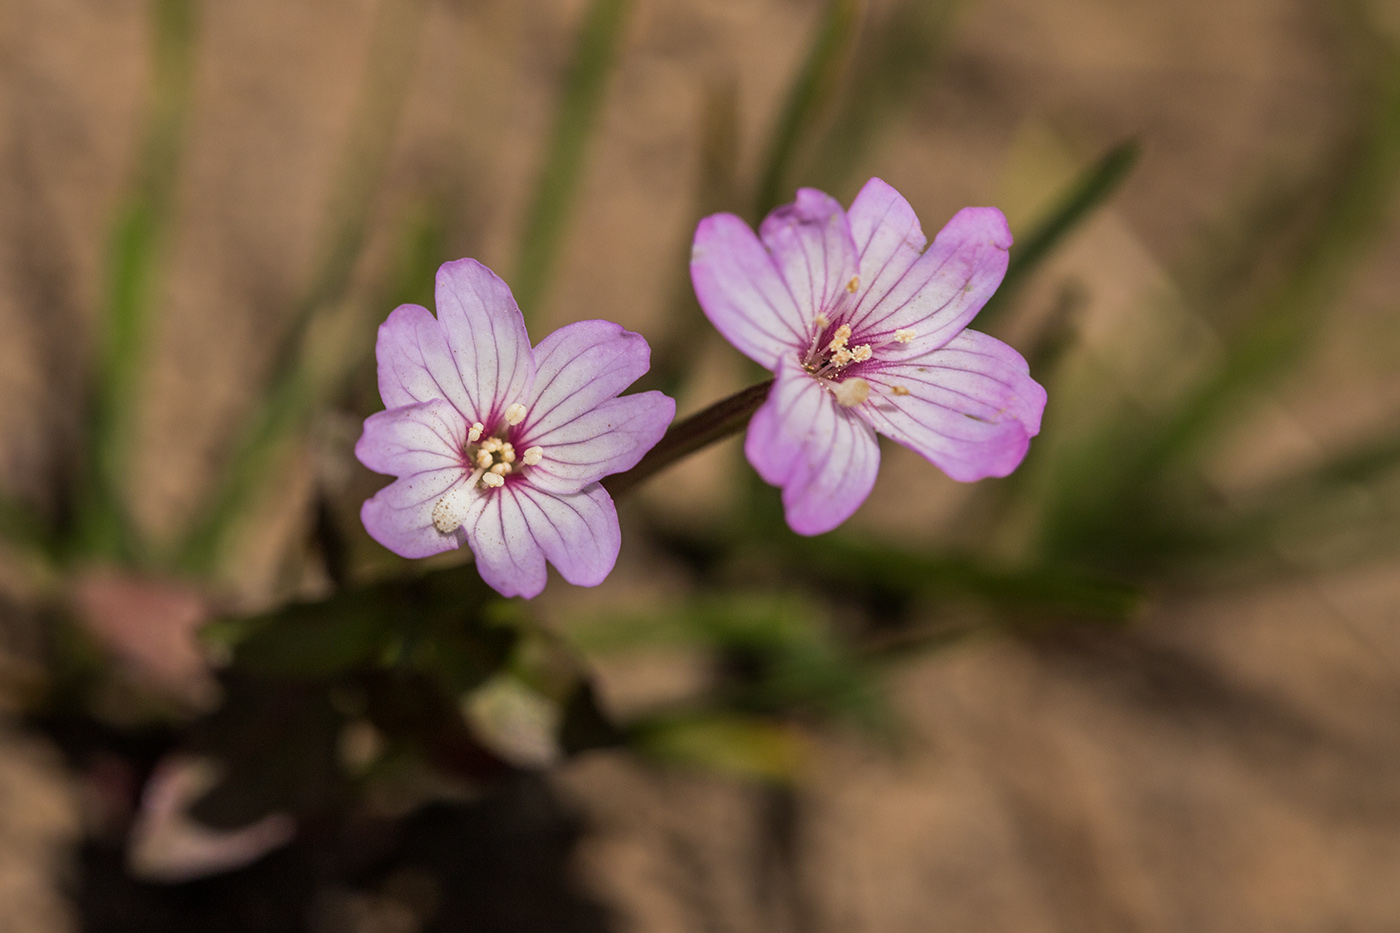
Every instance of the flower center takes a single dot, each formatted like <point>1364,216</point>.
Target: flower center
<point>491,460</point>
<point>827,363</point>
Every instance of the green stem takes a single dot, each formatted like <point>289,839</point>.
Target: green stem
<point>722,419</point>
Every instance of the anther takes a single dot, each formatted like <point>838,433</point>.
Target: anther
<point>853,284</point>
<point>821,320</point>
<point>493,480</point>
<point>903,335</point>
<point>861,353</point>
<point>851,392</point>
<point>899,390</point>
<point>533,455</point>
<point>484,458</point>
<point>838,340</point>
<point>474,434</point>
<point>515,413</point>
<point>501,469</point>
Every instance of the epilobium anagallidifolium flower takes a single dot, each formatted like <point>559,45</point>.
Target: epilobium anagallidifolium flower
<point>864,330</point>
<point>500,446</point>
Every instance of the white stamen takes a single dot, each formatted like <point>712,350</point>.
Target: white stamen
<point>501,469</point>
<point>451,510</point>
<point>821,320</point>
<point>903,335</point>
<point>861,353</point>
<point>515,413</point>
<point>493,480</point>
<point>851,392</point>
<point>841,357</point>
<point>507,453</point>
<point>474,434</point>
<point>484,458</point>
<point>838,340</point>
<point>533,455</point>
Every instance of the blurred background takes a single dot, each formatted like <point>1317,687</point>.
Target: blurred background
<point>1150,682</point>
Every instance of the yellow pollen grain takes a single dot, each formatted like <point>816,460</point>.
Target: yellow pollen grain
<point>841,357</point>
<point>853,284</point>
<point>533,455</point>
<point>904,335</point>
<point>899,390</point>
<point>861,353</point>
<point>852,392</point>
<point>515,414</point>
<point>493,480</point>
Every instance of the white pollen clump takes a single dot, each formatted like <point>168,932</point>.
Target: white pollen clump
<point>484,458</point>
<point>515,413</point>
<point>493,480</point>
<point>838,339</point>
<point>451,510</point>
<point>899,390</point>
<point>861,353</point>
<point>474,434</point>
<point>904,335</point>
<point>533,455</point>
<point>841,357</point>
<point>853,284</point>
<point>851,392</point>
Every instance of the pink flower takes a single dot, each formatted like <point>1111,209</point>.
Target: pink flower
<point>864,331</point>
<point>500,446</point>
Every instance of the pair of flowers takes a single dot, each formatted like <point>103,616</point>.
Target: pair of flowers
<point>500,446</point>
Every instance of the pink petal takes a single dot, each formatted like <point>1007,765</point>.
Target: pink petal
<point>577,368</point>
<point>741,292</point>
<point>971,407</point>
<point>413,439</point>
<point>812,247</point>
<point>887,236</point>
<point>609,439</point>
<point>400,516</point>
<point>508,557</point>
<point>415,364</point>
<point>518,527</point>
<point>945,288</point>
<point>824,456</point>
<point>486,334</point>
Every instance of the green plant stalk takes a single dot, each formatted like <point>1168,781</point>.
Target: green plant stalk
<point>135,256</point>
<point>556,189</point>
<point>810,96</point>
<point>1087,193</point>
<point>297,386</point>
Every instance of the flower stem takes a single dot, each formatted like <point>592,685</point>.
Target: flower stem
<point>722,419</point>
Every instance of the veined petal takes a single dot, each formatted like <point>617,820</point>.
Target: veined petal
<point>413,439</point>
<point>944,288</point>
<point>609,439</point>
<point>824,456</point>
<point>741,292</point>
<point>485,331</point>
<point>508,557</point>
<point>415,364</point>
<point>578,533</point>
<point>811,245</point>
<point>971,407</point>
<point>400,516</point>
<point>577,368</point>
<point>887,237</point>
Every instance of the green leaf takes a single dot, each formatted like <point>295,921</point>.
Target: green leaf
<point>809,98</point>
<point>748,747</point>
<point>574,121</point>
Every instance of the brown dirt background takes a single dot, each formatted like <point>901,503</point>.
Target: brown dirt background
<point>1232,765</point>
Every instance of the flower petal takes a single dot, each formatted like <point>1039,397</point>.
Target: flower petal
<point>812,247</point>
<point>971,407</point>
<point>518,526</point>
<point>400,516</point>
<point>413,439</point>
<point>944,289</point>
<point>577,368</point>
<point>414,362</point>
<point>741,292</point>
<point>486,334</point>
<point>824,456</point>
<point>609,439</point>
<point>887,236</point>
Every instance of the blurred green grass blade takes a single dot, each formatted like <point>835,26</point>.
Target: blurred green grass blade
<point>301,377</point>
<point>1088,192</point>
<point>810,97</point>
<point>556,188</point>
<point>744,746</point>
<point>895,59</point>
<point>134,266</point>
